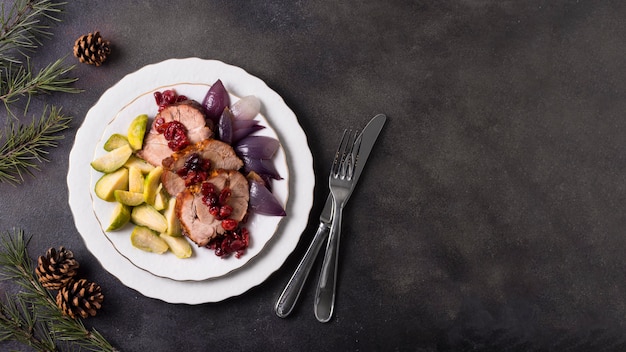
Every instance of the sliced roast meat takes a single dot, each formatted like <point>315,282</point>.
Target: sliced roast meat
<point>172,183</point>
<point>196,221</point>
<point>219,154</point>
<point>239,188</point>
<point>198,224</point>
<point>190,114</point>
<point>155,148</point>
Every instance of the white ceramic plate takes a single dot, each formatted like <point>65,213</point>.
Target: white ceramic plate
<point>225,282</point>
<point>203,264</point>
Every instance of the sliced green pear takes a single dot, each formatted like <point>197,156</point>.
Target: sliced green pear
<point>115,141</point>
<point>173,224</point>
<point>128,198</point>
<point>120,217</point>
<point>178,245</point>
<point>147,240</point>
<point>112,160</point>
<point>139,163</point>
<point>107,184</point>
<point>146,215</point>
<point>137,130</point>
<point>151,185</point>
<point>135,180</point>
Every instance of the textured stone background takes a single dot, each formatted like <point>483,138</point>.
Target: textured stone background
<point>491,216</point>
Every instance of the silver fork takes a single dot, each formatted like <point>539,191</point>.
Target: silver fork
<point>340,184</point>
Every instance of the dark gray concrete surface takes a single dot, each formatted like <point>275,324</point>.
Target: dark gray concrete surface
<point>491,216</point>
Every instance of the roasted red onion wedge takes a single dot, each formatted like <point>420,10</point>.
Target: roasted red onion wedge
<point>257,147</point>
<point>225,126</point>
<point>215,100</point>
<point>239,124</point>
<point>241,133</point>
<point>262,201</point>
<point>261,166</point>
<point>246,108</point>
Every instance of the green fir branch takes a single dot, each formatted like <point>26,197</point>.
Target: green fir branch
<point>18,322</point>
<point>20,81</point>
<point>23,25</point>
<point>37,321</point>
<point>24,147</point>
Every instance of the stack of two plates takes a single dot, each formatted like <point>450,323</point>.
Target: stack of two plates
<point>204,277</point>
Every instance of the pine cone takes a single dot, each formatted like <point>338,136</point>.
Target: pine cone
<point>56,268</point>
<point>92,49</point>
<point>80,299</point>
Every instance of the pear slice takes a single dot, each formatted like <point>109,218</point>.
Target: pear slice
<point>115,141</point>
<point>146,215</point>
<point>108,183</point>
<point>151,185</point>
<point>137,130</point>
<point>173,224</point>
<point>120,217</point>
<point>128,198</point>
<point>112,160</point>
<point>139,163</point>
<point>178,245</point>
<point>135,180</point>
<point>147,240</point>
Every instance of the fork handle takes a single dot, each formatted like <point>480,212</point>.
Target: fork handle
<point>325,292</point>
<point>289,296</point>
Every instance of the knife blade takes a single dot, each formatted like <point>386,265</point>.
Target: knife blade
<point>289,296</point>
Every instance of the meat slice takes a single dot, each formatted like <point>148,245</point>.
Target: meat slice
<point>197,223</point>
<point>220,155</point>
<point>172,183</point>
<point>190,114</point>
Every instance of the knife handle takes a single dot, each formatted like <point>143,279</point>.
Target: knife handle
<point>290,294</point>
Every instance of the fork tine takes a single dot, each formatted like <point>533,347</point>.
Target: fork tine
<point>345,157</point>
<point>339,155</point>
<point>354,153</point>
<point>348,160</point>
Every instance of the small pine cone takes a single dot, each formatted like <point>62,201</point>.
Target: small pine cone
<point>80,299</point>
<point>92,49</point>
<point>56,268</point>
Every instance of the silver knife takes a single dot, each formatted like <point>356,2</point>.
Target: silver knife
<point>290,294</point>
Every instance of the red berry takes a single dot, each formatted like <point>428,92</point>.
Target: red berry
<point>160,125</point>
<point>207,187</point>
<point>211,198</point>
<point>245,234</point>
<point>236,245</point>
<point>224,195</point>
<point>158,97</point>
<point>229,224</point>
<point>169,96</point>
<point>225,211</point>
<point>214,210</point>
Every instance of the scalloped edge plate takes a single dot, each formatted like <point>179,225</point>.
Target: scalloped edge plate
<point>239,83</point>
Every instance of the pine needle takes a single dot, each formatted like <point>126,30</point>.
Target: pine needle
<point>23,25</point>
<point>18,81</point>
<point>25,147</point>
<point>31,316</point>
